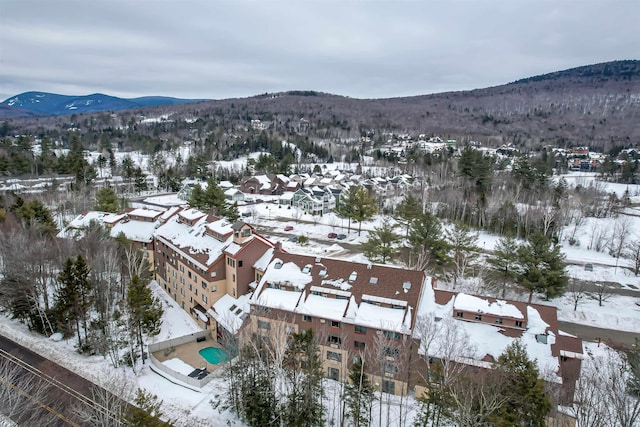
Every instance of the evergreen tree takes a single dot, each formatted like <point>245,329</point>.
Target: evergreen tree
<point>357,204</point>
<point>145,311</point>
<point>464,248</point>
<point>359,395</point>
<point>542,267</point>
<point>73,298</point>
<point>380,247</point>
<point>504,262</point>
<point>231,212</point>
<point>426,244</point>
<point>527,403</point>
<point>343,209</point>
<point>107,200</point>
<point>140,180</point>
<point>210,198</point>
<point>35,214</point>
<point>146,411</point>
<point>407,210</point>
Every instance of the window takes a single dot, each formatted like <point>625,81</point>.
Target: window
<point>390,367</point>
<point>204,299</point>
<point>289,330</point>
<point>196,291</point>
<point>306,318</point>
<point>360,329</point>
<point>181,268</point>
<point>388,386</point>
<point>333,373</point>
<point>518,323</point>
<point>332,339</point>
<point>359,345</point>
<point>231,262</point>
<point>190,299</point>
<point>499,320</point>
<point>245,232</point>
<point>233,277</point>
<point>262,324</point>
<point>190,287</point>
<point>391,352</point>
<point>478,317</point>
<point>204,285</point>
<point>541,338</point>
<point>189,274</point>
<point>392,335</point>
<point>332,355</point>
<point>261,309</point>
<point>335,324</point>
<point>182,291</point>
<point>240,263</point>
<point>214,288</point>
<point>459,314</point>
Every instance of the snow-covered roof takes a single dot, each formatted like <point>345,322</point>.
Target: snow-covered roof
<point>327,308</point>
<point>286,273</point>
<point>278,298</point>
<point>482,338</point>
<point>265,182</point>
<point>232,191</point>
<point>263,262</point>
<point>221,226</point>
<point>140,231</point>
<point>375,316</point>
<point>191,214</point>
<point>192,240</point>
<point>83,220</point>
<point>481,305</point>
<point>145,213</point>
<point>230,312</point>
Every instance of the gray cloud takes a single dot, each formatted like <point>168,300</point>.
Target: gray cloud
<point>220,49</point>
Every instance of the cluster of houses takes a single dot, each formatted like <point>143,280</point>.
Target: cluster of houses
<point>315,194</point>
<point>233,281</point>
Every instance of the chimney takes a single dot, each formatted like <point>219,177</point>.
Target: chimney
<point>278,246</point>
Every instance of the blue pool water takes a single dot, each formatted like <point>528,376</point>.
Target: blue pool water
<point>214,355</point>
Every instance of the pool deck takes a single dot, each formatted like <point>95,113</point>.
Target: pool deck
<point>188,353</point>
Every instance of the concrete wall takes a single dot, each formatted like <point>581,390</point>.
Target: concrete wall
<point>152,348</point>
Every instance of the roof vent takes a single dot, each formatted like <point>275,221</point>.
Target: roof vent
<point>353,276</point>
<point>406,286</point>
<point>368,266</point>
<point>278,265</point>
<point>318,259</point>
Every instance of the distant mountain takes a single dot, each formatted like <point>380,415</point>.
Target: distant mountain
<point>51,104</point>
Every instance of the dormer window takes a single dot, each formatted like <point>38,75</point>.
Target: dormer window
<point>373,281</point>
<point>278,265</point>
<point>541,338</point>
<point>353,276</point>
<point>322,273</point>
<point>307,269</point>
<point>406,286</point>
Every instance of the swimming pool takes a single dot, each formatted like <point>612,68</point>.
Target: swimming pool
<point>214,355</point>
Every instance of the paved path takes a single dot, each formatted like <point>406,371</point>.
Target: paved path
<point>67,390</point>
<point>613,338</point>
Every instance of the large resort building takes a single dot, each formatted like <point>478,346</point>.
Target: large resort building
<point>234,282</point>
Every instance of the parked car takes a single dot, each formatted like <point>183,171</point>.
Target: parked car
<point>332,235</point>
<point>246,214</point>
<point>288,228</point>
<point>341,236</point>
<point>293,239</point>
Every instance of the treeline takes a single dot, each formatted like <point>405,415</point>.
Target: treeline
<point>94,287</point>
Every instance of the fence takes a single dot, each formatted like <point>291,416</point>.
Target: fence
<point>168,346</point>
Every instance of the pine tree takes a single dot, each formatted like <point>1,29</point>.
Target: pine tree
<point>146,411</point>
<point>527,401</point>
<point>211,198</point>
<point>408,210</point>
<point>73,298</point>
<point>464,248</point>
<point>427,248</point>
<point>359,395</point>
<point>145,311</point>
<point>107,200</point>
<point>504,262</point>
<point>380,247</point>
<point>542,267</point>
<point>358,205</point>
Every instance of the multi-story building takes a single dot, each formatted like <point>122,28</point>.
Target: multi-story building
<point>398,321</point>
<point>199,258</point>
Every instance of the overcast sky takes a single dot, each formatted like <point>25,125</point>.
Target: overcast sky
<point>365,49</point>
